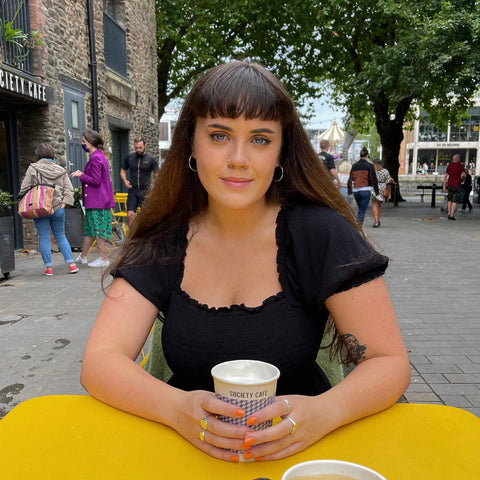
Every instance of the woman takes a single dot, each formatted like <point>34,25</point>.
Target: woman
<point>46,170</point>
<point>362,179</point>
<point>97,196</point>
<point>383,179</point>
<point>343,176</point>
<point>246,247</point>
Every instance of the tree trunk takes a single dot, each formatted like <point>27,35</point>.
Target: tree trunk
<point>391,136</point>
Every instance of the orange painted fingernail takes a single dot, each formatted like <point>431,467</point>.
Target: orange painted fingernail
<point>249,441</point>
<point>252,421</point>
<point>240,412</point>
<point>259,459</point>
<point>234,458</point>
<point>245,446</point>
<point>247,455</point>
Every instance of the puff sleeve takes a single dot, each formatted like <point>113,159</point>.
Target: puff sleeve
<point>325,254</point>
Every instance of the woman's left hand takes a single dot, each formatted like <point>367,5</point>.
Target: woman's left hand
<point>300,426</point>
<point>77,173</point>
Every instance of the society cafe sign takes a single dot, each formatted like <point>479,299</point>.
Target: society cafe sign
<point>26,87</point>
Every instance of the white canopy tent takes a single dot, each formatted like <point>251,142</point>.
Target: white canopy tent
<point>334,134</point>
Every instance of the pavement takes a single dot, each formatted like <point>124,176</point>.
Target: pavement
<point>433,277</point>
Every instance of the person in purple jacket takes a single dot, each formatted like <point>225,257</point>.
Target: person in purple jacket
<point>97,196</point>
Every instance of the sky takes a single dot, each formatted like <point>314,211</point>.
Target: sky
<point>324,114</point>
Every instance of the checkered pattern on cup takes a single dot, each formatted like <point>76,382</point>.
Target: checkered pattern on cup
<point>250,407</point>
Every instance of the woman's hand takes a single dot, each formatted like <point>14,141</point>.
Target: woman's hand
<point>76,173</point>
<point>196,420</point>
<point>302,422</point>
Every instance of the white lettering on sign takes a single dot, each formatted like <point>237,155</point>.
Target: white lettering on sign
<point>18,84</point>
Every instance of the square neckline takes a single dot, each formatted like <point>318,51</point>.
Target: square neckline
<point>274,298</point>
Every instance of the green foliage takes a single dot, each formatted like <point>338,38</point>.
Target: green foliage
<point>5,202</point>
<point>193,36</point>
<point>77,196</point>
<point>381,60</point>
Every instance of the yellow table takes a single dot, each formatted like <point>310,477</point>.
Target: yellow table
<point>77,437</point>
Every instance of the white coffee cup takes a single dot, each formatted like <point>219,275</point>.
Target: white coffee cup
<point>315,468</point>
<point>250,384</point>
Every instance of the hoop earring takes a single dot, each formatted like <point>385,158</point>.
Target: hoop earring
<point>278,168</point>
<point>192,165</point>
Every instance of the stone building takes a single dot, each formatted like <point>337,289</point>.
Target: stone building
<point>89,64</point>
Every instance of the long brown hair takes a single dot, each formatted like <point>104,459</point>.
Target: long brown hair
<point>229,90</point>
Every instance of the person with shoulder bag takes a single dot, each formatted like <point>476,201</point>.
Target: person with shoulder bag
<point>46,170</point>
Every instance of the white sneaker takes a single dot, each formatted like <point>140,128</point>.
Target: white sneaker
<point>80,259</point>
<point>99,263</point>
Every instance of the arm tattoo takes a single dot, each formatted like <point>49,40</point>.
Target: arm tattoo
<point>356,350</point>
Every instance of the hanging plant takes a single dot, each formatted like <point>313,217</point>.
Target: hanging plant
<point>23,42</point>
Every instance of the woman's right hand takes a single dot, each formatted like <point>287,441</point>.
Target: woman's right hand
<point>196,420</point>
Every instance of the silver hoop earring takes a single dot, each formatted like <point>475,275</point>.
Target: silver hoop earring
<point>277,178</point>
<point>192,163</point>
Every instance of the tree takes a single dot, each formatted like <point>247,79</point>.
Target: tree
<point>383,58</point>
<point>193,36</point>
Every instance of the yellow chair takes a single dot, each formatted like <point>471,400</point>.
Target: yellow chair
<point>120,211</point>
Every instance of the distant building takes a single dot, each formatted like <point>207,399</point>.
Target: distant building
<point>166,125</point>
<point>428,149</point>
<point>95,68</point>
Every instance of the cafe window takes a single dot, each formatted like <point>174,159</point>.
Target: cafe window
<point>429,132</point>
<point>467,128</point>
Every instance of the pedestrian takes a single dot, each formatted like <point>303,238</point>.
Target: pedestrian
<point>328,160</point>
<point>343,176</point>
<point>465,191</point>
<point>97,197</point>
<point>246,247</point>
<point>361,181</point>
<point>47,170</point>
<point>383,179</point>
<point>452,182</point>
<point>140,165</point>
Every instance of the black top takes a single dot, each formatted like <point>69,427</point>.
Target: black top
<point>319,253</point>
<point>327,160</point>
<point>140,169</point>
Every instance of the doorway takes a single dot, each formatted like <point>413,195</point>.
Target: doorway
<point>119,138</point>
<point>9,167</point>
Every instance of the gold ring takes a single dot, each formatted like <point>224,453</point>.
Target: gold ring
<point>294,425</point>
<point>288,405</point>
<point>204,423</point>
<point>202,435</point>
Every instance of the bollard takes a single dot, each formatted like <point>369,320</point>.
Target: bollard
<point>395,194</point>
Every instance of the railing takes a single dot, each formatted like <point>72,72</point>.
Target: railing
<point>15,31</point>
<point>115,45</point>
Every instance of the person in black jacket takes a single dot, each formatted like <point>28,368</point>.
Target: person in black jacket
<point>362,179</point>
<point>465,192</point>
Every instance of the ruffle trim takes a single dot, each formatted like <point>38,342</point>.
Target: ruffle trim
<point>232,308</point>
<point>281,262</point>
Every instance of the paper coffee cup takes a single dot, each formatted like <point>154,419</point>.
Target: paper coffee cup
<point>250,384</point>
<point>351,471</point>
